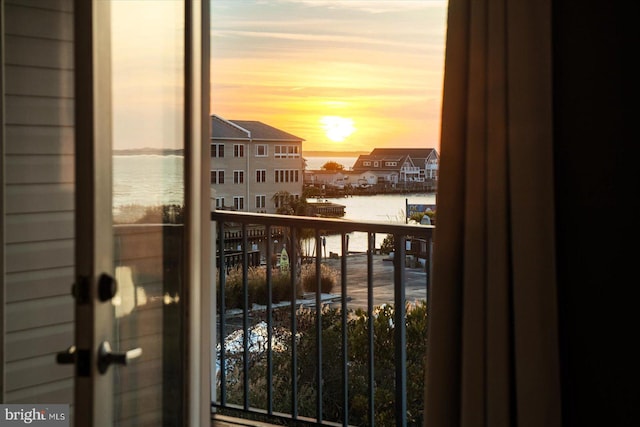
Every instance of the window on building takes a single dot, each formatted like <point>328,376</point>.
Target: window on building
<point>366,163</point>
<point>238,202</point>
<point>261,175</point>
<point>261,201</point>
<point>392,164</point>
<point>261,150</point>
<point>219,202</point>
<point>217,176</point>
<point>217,150</point>
<point>376,164</point>
<point>286,151</point>
<point>238,150</point>
<point>238,177</point>
<point>287,175</point>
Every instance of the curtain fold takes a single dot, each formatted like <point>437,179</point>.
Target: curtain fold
<point>493,356</point>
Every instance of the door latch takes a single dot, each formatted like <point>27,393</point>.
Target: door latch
<point>107,357</point>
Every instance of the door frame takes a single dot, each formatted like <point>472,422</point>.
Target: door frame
<point>93,396</point>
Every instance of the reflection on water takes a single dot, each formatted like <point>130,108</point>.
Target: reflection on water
<point>386,208</point>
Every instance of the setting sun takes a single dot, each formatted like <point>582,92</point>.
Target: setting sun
<point>337,128</point>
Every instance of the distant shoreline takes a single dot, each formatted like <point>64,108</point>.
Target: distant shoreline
<point>150,151</point>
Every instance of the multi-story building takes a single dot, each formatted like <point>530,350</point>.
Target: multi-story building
<point>254,165</point>
<point>399,165</point>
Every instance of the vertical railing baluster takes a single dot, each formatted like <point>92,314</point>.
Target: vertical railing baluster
<point>371,325</point>
<point>345,349</point>
<point>294,326</point>
<point>399,316</point>
<point>245,316</point>
<point>318,329</point>
<point>269,322</point>
<point>400,339</point>
<point>223,280</point>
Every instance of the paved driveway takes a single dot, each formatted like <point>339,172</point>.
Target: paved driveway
<point>415,280</point>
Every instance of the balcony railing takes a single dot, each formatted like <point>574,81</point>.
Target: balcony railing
<point>270,370</point>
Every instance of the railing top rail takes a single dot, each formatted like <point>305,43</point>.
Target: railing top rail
<point>333,224</point>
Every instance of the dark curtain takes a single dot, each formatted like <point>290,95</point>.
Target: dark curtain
<point>531,319</point>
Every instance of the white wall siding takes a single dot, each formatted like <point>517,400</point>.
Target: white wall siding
<point>38,244</point>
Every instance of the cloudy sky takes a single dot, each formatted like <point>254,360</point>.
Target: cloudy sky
<point>342,74</point>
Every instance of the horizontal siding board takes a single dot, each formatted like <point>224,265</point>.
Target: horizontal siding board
<point>138,375</point>
<point>39,341</point>
<point>45,23</point>
<point>39,169</point>
<point>145,271</point>
<point>141,322</point>
<point>139,402</point>
<point>31,314</point>
<point>151,346</point>
<point>58,5</point>
<point>150,419</point>
<point>45,82</point>
<point>35,227</point>
<point>35,371</point>
<point>39,198</point>
<point>39,255</point>
<point>39,284</point>
<point>138,242</point>
<point>34,110</point>
<point>36,52</point>
<point>60,391</point>
<point>39,140</point>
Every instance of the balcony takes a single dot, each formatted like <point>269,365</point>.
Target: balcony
<point>307,354</point>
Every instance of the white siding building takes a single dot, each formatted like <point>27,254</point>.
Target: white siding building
<point>251,162</point>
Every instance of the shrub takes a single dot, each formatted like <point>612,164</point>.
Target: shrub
<point>328,277</point>
<point>257,286</point>
<point>358,365</point>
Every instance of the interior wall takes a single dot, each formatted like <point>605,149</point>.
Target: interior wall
<point>596,208</point>
<point>38,192</point>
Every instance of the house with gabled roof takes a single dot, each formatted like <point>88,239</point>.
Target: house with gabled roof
<point>251,162</point>
<point>400,165</point>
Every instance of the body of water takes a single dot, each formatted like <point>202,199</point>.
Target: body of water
<point>387,208</point>
<point>152,180</point>
<point>148,180</point>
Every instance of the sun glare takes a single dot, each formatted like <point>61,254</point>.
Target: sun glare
<point>337,128</point>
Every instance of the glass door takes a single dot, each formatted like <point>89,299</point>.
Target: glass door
<point>139,138</point>
<point>148,78</point>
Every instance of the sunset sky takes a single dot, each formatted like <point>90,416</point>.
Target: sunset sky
<point>345,75</point>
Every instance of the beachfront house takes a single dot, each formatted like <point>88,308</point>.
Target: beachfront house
<point>404,166</point>
<point>253,165</point>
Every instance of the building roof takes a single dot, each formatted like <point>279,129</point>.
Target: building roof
<point>399,159</point>
<point>245,129</point>
<point>400,155</point>
<point>414,153</point>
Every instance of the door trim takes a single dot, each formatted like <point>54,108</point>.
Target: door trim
<point>93,399</point>
<point>198,210</point>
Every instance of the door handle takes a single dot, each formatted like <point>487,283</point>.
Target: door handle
<point>67,357</point>
<point>107,357</point>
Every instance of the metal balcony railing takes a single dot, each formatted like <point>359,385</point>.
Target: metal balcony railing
<point>271,363</point>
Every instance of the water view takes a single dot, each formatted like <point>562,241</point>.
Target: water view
<point>158,180</point>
